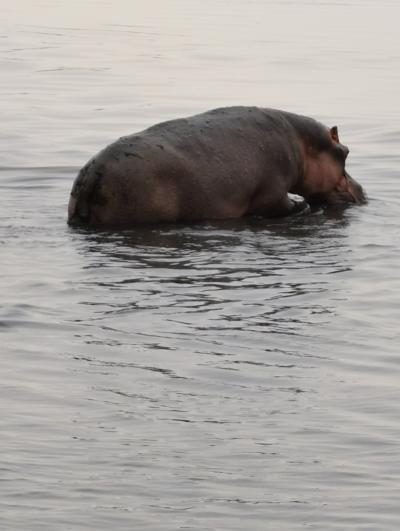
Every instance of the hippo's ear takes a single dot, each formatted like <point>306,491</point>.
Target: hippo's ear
<point>334,133</point>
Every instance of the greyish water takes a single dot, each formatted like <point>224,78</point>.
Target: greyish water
<point>218,376</point>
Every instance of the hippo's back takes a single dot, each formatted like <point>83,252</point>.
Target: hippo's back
<point>205,166</point>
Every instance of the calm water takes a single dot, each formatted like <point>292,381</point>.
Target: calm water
<point>230,376</point>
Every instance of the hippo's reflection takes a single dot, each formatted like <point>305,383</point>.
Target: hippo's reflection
<point>245,276</point>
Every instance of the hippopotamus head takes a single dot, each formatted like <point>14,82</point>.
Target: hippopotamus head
<point>325,179</point>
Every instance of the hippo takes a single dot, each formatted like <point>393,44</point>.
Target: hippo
<point>224,163</point>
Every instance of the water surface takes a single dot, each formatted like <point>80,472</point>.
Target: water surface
<point>218,376</point>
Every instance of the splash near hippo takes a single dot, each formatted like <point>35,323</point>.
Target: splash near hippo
<point>225,163</point>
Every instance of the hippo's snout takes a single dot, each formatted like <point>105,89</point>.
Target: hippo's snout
<point>354,190</point>
<point>347,191</point>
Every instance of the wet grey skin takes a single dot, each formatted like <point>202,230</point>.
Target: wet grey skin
<point>225,163</point>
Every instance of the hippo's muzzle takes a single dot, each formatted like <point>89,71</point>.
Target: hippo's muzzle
<point>348,191</point>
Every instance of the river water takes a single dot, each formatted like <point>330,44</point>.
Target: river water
<point>219,376</point>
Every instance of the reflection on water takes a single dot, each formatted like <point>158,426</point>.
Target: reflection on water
<point>197,376</point>
<point>199,272</point>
